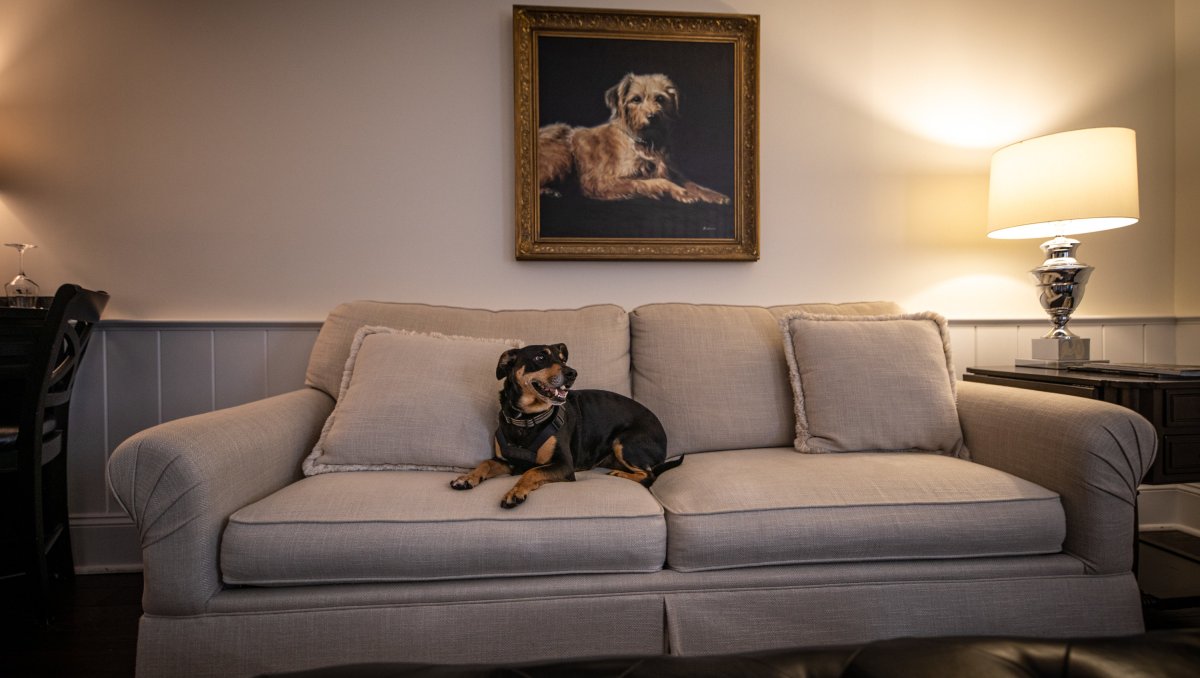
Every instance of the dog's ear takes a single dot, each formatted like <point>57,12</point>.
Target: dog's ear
<point>561,351</point>
<point>506,362</point>
<point>674,94</point>
<point>615,94</point>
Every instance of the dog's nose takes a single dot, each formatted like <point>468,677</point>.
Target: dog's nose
<point>569,374</point>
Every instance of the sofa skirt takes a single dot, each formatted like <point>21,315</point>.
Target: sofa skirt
<point>253,631</point>
<point>234,645</point>
<point>728,622</point>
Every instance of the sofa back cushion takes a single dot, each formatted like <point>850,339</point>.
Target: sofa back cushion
<point>597,336</point>
<point>717,376</point>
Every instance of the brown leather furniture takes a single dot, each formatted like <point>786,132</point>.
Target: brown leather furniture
<point>1160,654</point>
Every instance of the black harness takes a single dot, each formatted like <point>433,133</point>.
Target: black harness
<point>528,455</point>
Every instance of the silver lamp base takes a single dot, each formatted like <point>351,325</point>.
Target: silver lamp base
<point>1061,280</point>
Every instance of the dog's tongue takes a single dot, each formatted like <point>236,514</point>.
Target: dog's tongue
<point>561,392</point>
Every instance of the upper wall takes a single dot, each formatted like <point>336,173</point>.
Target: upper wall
<point>247,160</point>
<point>1187,160</point>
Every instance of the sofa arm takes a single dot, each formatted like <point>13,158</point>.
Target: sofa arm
<point>181,480</point>
<point>1092,453</point>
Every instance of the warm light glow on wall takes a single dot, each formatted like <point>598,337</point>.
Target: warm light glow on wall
<point>16,33</point>
<point>977,297</point>
<point>963,104</point>
<point>959,114</point>
<point>971,75</point>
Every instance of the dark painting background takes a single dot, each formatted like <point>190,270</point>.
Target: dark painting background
<point>573,75</point>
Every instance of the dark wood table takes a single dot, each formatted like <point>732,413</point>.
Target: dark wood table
<point>19,328</point>
<point>1171,404</point>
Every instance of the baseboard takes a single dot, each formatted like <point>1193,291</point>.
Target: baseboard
<point>104,543</point>
<point>108,569</point>
<point>1169,507</point>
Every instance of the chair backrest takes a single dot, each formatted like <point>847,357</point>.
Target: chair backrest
<point>54,362</point>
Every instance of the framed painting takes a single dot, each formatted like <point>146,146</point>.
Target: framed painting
<point>636,134</point>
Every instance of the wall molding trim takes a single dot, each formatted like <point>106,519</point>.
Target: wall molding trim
<point>209,325</point>
<point>1078,320</point>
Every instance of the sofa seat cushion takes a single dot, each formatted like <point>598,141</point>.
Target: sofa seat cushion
<point>744,508</point>
<point>411,526</point>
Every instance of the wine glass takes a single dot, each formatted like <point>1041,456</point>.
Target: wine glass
<point>22,291</point>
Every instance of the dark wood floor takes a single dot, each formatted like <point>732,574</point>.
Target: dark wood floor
<point>95,634</point>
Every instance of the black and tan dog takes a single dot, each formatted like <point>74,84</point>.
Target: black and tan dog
<point>547,432</point>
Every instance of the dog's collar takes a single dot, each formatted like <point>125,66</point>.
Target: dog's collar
<point>528,455</point>
<point>522,420</point>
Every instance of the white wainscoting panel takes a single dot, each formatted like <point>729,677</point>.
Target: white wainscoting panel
<point>1187,341</point>
<point>994,345</point>
<point>963,346</point>
<point>1161,340</point>
<point>137,375</point>
<point>185,373</point>
<point>997,343</point>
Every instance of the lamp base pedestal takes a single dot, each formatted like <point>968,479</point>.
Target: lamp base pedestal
<point>1059,352</point>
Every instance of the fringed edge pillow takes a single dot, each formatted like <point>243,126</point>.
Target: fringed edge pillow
<point>412,401</point>
<point>873,383</point>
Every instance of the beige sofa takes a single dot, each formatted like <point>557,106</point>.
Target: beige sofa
<point>749,545</point>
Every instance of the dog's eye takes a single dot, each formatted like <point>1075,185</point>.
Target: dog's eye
<point>539,359</point>
<point>635,99</point>
<point>660,99</point>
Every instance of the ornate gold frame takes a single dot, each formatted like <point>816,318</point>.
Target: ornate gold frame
<point>740,30</point>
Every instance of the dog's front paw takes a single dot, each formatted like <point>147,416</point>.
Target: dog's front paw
<point>708,195</point>
<point>463,483</point>
<point>680,194</point>
<point>513,499</point>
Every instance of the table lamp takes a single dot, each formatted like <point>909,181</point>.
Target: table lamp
<point>1057,186</point>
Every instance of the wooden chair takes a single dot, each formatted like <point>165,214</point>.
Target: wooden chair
<point>36,542</point>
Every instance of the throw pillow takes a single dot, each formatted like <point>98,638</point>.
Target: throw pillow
<point>872,383</point>
<point>412,401</point>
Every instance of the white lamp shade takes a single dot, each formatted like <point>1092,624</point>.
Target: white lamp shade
<point>1064,184</point>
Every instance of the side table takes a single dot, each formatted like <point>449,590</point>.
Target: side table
<point>1172,405</point>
